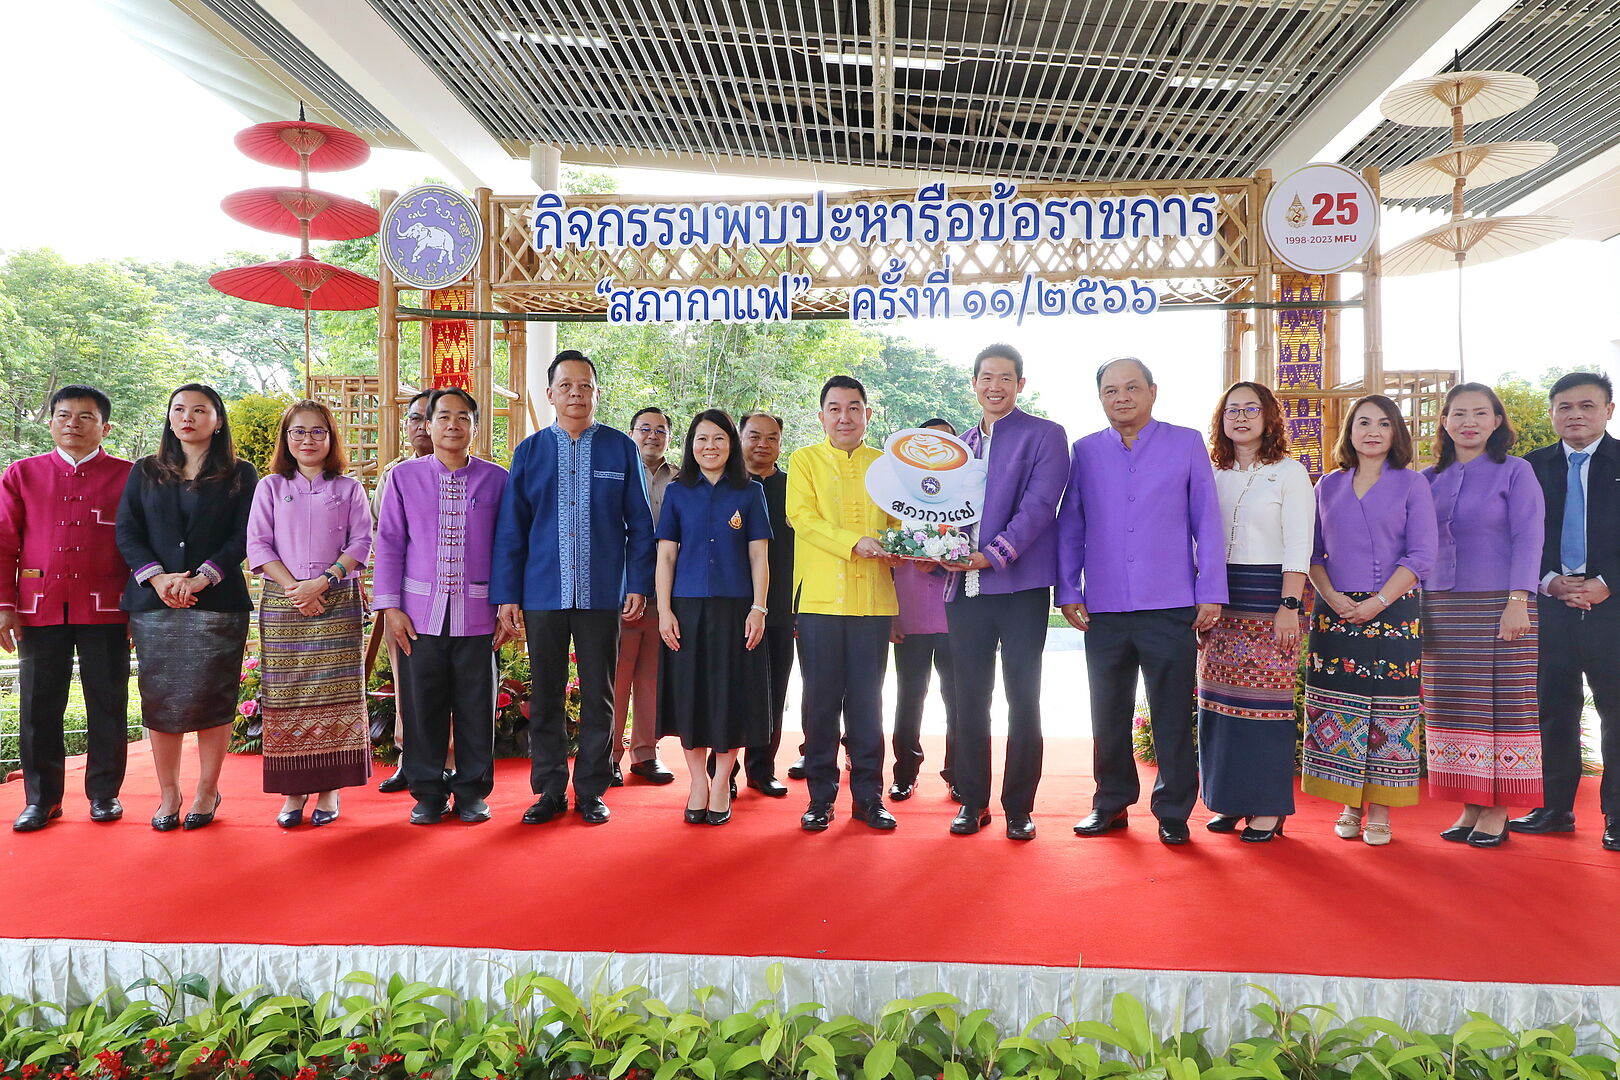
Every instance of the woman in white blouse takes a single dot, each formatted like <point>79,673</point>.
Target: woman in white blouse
<point>1248,664</point>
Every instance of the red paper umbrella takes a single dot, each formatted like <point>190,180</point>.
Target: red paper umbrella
<point>305,283</point>
<point>303,144</point>
<point>285,209</point>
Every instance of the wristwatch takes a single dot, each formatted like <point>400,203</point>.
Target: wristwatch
<point>1291,603</point>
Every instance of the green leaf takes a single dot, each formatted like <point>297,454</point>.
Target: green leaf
<point>774,977</point>
<point>880,1059</point>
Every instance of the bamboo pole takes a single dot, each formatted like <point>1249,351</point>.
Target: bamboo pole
<point>1372,307</point>
<point>387,353</point>
<point>517,378</point>
<point>1232,357</point>
<point>1265,321</point>
<point>483,350</point>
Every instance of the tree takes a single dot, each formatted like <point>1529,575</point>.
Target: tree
<point>92,323</point>
<point>255,422</point>
<point>1526,406</point>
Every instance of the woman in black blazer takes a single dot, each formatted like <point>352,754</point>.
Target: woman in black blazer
<point>182,528</point>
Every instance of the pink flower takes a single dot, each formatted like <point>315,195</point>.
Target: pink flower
<point>252,662</point>
<point>248,708</point>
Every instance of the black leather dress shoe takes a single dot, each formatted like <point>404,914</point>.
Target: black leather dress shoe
<point>817,817</point>
<point>969,821</point>
<point>394,784</point>
<point>545,808</point>
<point>956,796</point>
<point>1173,831</point>
<point>1223,823</point>
<point>473,812</point>
<point>35,817</point>
<point>1543,820</point>
<point>653,771</point>
<point>106,810</point>
<point>593,811</point>
<point>1457,834</point>
<point>769,786</point>
<point>901,792</point>
<point>796,770</point>
<point>202,821</point>
<point>1099,822</point>
<point>615,776</point>
<point>1020,827</point>
<point>1485,839</point>
<point>428,813</point>
<point>1611,832</point>
<point>875,815</point>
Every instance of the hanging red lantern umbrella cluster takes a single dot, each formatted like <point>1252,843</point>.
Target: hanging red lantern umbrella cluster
<point>305,282</point>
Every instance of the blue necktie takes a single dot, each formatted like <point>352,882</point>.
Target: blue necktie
<point>1572,541</point>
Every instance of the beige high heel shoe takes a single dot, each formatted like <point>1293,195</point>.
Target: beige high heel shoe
<point>1376,833</point>
<point>1348,826</point>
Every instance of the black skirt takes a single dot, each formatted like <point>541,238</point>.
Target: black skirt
<point>190,666</point>
<point>714,692</point>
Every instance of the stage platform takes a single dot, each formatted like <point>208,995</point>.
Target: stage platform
<point>1420,931</point>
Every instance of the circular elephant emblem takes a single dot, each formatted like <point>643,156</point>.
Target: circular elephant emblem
<point>431,236</point>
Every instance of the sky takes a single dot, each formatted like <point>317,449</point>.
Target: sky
<point>133,164</point>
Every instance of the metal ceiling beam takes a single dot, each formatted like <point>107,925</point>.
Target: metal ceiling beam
<point>354,41</point>
<point>1420,44</point>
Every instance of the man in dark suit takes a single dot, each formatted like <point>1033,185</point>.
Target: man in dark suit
<point>1580,623</point>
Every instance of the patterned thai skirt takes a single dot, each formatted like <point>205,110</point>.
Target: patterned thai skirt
<point>316,735</point>
<point>1361,705</point>
<point>1246,727</point>
<point>1480,726</point>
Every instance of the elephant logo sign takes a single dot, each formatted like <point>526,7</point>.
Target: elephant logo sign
<point>431,236</point>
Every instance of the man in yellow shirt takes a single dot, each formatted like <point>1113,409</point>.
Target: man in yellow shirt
<point>843,593</point>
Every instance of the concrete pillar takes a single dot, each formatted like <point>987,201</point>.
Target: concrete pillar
<point>545,169</point>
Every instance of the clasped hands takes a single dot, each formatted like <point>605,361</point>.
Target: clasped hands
<point>178,590</point>
<point>1581,593</point>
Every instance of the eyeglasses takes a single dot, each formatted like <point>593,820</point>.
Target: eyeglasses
<point>1250,411</point>
<point>299,434</point>
<point>645,430</point>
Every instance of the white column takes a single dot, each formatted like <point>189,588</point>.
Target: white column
<point>545,169</point>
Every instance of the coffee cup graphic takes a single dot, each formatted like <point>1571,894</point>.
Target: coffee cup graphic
<point>924,461</point>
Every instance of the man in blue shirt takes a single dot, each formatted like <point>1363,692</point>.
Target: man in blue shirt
<point>573,554</point>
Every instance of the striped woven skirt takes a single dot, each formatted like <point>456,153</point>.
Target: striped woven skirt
<point>316,735</point>
<point>1480,726</point>
<point>1362,711</point>
<point>1246,726</point>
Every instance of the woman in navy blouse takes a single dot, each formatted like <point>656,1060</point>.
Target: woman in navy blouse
<point>1375,542</point>
<point>713,681</point>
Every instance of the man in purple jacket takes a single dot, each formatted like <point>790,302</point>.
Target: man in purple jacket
<point>1003,598</point>
<point>1142,570</point>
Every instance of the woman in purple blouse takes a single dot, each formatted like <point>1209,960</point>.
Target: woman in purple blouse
<point>1375,542</point>
<point>309,534</point>
<point>1479,621</point>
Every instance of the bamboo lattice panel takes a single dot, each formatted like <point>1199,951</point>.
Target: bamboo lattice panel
<point>356,404</point>
<point>1185,270</point>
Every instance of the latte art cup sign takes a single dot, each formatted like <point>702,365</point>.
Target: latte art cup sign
<point>928,477</point>
<point>1321,218</point>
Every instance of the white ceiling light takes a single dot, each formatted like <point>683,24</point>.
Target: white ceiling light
<point>579,41</point>
<point>922,63</point>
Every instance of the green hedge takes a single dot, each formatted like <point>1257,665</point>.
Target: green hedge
<point>369,1029</point>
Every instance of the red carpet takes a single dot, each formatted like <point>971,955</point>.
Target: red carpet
<point>1532,912</point>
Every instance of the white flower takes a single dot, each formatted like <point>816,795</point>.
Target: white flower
<point>935,547</point>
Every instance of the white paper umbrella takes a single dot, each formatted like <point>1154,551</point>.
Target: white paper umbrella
<point>1486,163</point>
<point>1480,95</point>
<point>1474,241</point>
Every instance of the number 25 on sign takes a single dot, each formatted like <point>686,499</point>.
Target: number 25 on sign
<point>1320,218</point>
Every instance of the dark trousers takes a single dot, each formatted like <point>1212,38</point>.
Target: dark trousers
<point>761,760</point>
<point>843,659</point>
<point>1576,643</point>
<point>914,656</point>
<point>595,637</point>
<point>1016,624</point>
<point>448,684</point>
<point>1161,647</point>
<point>46,661</point>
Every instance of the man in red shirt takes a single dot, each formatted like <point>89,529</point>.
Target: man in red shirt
<point>60,581</point>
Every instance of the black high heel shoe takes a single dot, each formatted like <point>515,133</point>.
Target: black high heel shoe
<point>1224,822</point>
<point>1485,839</point>
<point>288,819</point>
<point>319,817</point>
<point>166,822</point>
<point>198,821</point>
<point>1260,836</point>
<point>697,815</point>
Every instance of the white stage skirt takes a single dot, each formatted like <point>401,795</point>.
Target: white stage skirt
<point>73,972</point>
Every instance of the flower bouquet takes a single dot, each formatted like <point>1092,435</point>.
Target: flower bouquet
<point>927,543</point>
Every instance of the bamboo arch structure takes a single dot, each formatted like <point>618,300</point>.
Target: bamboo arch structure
<point>1232,270</point>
